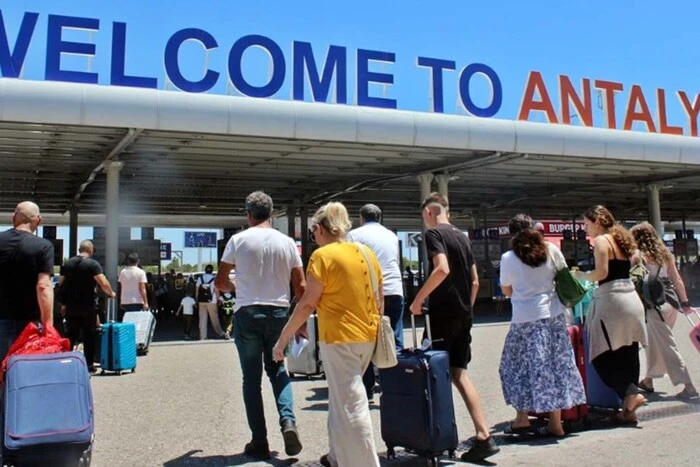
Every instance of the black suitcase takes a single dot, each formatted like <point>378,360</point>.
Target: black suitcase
<point>417,411</point>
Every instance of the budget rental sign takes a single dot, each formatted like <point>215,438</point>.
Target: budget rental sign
<point>323,75</point>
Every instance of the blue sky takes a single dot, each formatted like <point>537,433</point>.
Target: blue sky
<point>633,42</point>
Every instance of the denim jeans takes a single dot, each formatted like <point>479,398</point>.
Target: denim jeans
<point>9,331</point>
<point>256,331</point>
<point>393,308</point>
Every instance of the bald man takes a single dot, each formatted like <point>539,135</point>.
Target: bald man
<point>26,267</point>
<point>79,277</point>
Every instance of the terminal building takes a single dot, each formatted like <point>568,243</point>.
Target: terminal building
<point>130,155</point>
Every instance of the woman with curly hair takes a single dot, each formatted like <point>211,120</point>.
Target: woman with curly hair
<point>538,369</point>
<point>616,323</point>
<point>663,357</point>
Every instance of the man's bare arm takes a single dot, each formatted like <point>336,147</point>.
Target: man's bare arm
<point>223,281</point>
<point>298,283</point>
<point>44,294</point>
<point>105,285</point>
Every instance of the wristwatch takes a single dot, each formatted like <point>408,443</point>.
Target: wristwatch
<point>685,303</point>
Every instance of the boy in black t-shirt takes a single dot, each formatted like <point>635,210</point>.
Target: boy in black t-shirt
<point>452,287</point>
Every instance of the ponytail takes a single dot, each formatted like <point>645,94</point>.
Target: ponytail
<point>624,240</point>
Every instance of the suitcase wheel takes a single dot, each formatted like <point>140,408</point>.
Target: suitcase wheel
<point>451,453</point>
<point>133,370</point>
<point>432,461</point>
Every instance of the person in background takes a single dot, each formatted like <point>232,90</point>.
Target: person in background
<point>616,319</point>
<point>187,310</point>
<point>452,286</point>
<point>26,268</point>
<point>227,302</point>
<point>133,286</point>
<point>538,368</point>
<point>663,357</point>
<point>385,245</point>
<point>340,289</point>
<point>205,294</point>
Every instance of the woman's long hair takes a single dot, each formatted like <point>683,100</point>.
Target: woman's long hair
<point>622,237</point>
<point>528,244</point>
<point>649,242</point>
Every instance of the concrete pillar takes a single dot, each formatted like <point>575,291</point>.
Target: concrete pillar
<point>73,232</point>
<point>655,207</point>
<point>425,181</point>
<point>304,215</point>
<point>442,182</point>
<point>112,231</point>
<point>291,221</point>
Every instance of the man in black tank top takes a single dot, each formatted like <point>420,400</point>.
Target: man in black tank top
<point>452,287</point>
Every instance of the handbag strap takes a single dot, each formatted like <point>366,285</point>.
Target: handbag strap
<point>372,275</point>
<point>557,267</point>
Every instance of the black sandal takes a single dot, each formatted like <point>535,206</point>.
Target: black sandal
<point>543,432</point>
<point>517,430</point>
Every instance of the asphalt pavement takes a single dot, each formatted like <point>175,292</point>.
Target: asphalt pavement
<point>183,407</point>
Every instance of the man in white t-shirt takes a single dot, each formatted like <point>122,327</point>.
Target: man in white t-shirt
<point>385,245</point>
<point>265,261</point>
<point>133,280</point>
<point>205,294</point>
<point>187,309</point>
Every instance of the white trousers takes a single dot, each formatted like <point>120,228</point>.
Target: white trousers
<point>350,432</point>
<point>210,311</point>
<point>663,357</point>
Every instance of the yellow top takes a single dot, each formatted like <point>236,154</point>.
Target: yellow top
<point>347,311</point>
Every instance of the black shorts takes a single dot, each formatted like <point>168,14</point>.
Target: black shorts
<point>453,335</point>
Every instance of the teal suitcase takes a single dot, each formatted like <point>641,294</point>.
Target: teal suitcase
<point>118,346</point>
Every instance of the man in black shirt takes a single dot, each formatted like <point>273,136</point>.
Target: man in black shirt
<point>26,267</point>
<point>79,277</point>
<point>452,287</point>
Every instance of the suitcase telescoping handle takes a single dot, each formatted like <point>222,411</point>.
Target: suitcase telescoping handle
<point>111,310</point>
<point>427,328</point>
<point>697,315</point>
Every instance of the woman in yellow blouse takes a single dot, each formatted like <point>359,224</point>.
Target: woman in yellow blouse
<point>339,287</point>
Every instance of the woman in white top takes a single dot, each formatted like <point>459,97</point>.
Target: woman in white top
<point>538,369</point>
<point>663,357</point>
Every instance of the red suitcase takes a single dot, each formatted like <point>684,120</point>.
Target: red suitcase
<point>579,412</point>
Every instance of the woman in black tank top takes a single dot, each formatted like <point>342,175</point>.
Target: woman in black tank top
<point>616,324</point>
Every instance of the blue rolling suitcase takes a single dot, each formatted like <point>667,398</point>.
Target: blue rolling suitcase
<point>417,411</point>
<point>47,411</point>
<point>118,346</point>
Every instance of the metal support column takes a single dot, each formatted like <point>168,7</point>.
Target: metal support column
<point>112,220</point>
<point>291,222</point>
<point>425,180</point>
<point>73,232</point>
<point>655,207</point>
<point>304,221</point>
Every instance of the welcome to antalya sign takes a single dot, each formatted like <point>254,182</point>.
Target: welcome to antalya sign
<point>325,75</point>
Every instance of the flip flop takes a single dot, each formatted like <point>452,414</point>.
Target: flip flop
<point>615,420</point>
<point>519,430</point>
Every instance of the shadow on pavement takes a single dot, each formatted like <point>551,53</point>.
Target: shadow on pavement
<point>188,460</point>
<point>319,394</point>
